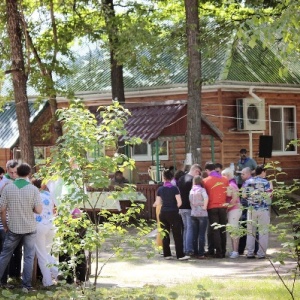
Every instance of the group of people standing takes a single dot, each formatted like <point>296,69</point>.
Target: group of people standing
<point>204,204</point>
<point>28,209</point>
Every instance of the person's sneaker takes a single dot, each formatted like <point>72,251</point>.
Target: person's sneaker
<point>261,257</point>
<point>168,257</point>
<point>14,280</point>
<point>26,289</point>
<point>49,287</point>
<point>209,254</point>
<point>201,257</point>
<point>234,254</point>
<point>7,286</point>
<point>250,256</point>
<point>186,257</point>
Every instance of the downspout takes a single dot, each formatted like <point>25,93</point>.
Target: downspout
<point>251,93</point>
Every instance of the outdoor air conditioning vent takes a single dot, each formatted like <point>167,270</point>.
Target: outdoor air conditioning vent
<point>251,114</point>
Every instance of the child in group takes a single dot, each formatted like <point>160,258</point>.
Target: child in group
<point>199,200</point>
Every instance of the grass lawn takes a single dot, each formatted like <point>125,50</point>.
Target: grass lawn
<point>205,288</point>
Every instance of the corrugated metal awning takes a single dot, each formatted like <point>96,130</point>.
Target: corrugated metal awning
<point>149,121</point>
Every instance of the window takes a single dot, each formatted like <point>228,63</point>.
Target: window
<point>39,155</point>
<point>283,129</point>
<point>96,152</point>
<point>147,152</point>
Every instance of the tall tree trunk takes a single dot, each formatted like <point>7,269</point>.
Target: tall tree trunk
<point>46,73</point>
<point>194,81</point>
<point>117,83</point>
<point>19,79</point>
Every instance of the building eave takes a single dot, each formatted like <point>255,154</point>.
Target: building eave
<point>233,86</point>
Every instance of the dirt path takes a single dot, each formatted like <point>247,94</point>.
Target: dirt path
<point>139,270</point>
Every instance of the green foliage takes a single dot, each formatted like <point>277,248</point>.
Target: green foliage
<point>287,228</point>
<point>69,163</point>
<point>204,288</point>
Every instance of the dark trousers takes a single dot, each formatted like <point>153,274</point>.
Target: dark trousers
<point>80,268</point>
<point>219,216</point>
<point>210,240</point>
<point>2,238</point>
<point>171,221</point>
<point>15,262</point>
<point>243,238</point>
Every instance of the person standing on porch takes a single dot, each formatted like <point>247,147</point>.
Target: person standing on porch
<point>244,162</point>
<point>185,184</point>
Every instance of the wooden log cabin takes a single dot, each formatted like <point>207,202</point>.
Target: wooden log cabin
<point>243,98</point>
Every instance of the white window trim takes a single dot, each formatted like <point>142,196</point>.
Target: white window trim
<point>284,153</point>
<point>148,157</point>
<point>91,156</point>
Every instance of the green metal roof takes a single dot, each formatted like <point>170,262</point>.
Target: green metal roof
<point>259,64</point>
<point>234,62</point>
<point>228,59</point>
<point>9,132</point>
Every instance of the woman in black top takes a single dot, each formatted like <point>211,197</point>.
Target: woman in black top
<point>168,196</point>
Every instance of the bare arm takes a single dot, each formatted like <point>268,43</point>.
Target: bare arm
<point>38,209</point>
<point>157,201</point>
<point>3,218</point>
<point>234,196</point>
<point>178,199</point>
<point>205,203</point>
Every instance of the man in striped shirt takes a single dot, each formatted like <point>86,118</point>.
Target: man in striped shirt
<point>21,200</point>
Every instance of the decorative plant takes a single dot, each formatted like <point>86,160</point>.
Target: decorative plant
<point>81,183</point>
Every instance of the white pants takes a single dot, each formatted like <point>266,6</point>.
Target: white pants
<point>258,219</point>
<point>44,241</point>
<point>233,217</point>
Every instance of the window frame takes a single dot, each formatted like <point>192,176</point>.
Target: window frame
<point>149,156</point>
<point>98,151</point>
<point>282,107</point>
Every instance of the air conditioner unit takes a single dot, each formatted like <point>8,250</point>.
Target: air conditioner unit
<point>251,114</point>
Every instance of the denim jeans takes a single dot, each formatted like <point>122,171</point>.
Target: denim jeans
<point>2,238</point>
<point>11,242</point>
<point>199,231</point>
<point>187,231</point>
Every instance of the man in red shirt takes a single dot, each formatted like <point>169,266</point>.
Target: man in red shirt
<point>216,187</point>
